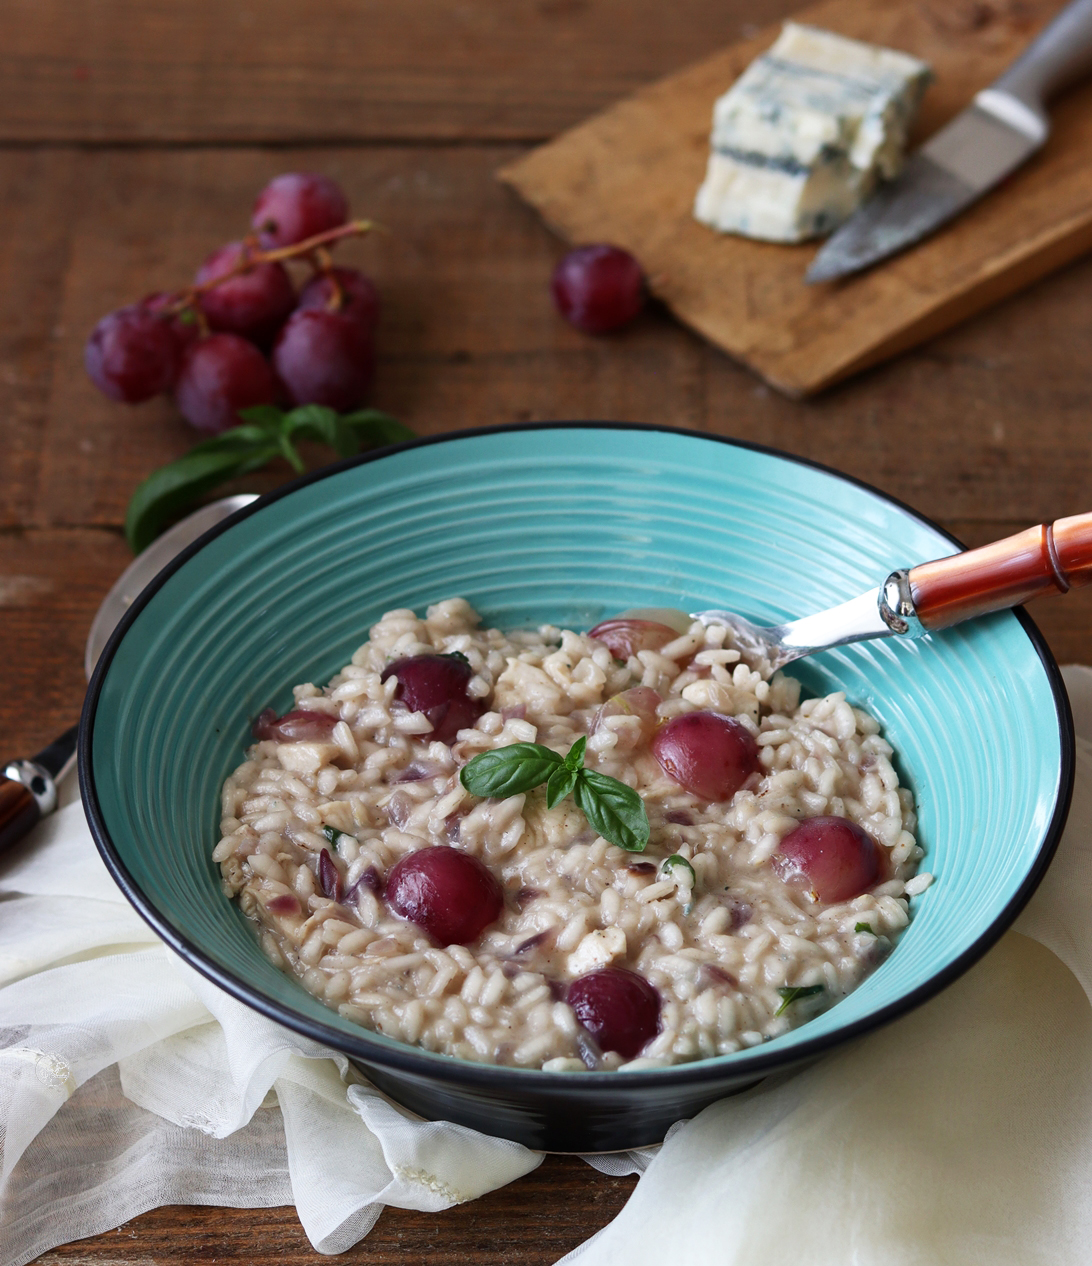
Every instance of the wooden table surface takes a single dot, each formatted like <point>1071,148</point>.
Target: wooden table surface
<point>134,135</point>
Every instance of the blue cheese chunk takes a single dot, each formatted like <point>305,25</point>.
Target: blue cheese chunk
<point>801,138</point>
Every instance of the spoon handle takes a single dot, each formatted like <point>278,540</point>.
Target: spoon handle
<point>1050,558</point>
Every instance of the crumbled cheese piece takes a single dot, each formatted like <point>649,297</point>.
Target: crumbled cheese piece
<point>802,136</point>
<point>597,949</point>
<point>306,758</point>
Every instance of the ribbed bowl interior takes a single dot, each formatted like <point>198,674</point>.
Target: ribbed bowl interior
<point>562,525</point>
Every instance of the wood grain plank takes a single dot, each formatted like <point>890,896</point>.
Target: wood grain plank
<point>531,1222</point>
<point>37,205</point>
<point>51,584</point>
<point>629,176</point>
<point>284,71</point>
<point>469,337</point>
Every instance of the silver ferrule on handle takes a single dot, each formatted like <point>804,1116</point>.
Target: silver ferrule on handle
<point>1060,56</point>
<point>896,605</point>
<point>37,780</point>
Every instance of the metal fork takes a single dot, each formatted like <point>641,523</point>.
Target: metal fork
<point>1050,558</point>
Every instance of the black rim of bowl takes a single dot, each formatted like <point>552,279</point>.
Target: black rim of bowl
<point>756,1063</point>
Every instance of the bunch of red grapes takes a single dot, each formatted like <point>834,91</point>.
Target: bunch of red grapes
<point>240,335</point>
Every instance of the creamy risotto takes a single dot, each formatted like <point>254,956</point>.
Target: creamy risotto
<point>777,872</point>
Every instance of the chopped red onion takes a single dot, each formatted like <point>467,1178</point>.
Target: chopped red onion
<point>711,974</point>
<point>284,903</point>
<point>297,726</point>
<point>329,876</point>
<point>679,816</point>
<point>741,913</point>
<point>399,808</point>
<point>370,879</point>
<point>419,769</point>
<point>533,942</point>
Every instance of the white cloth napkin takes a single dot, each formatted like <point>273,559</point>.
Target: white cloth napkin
<point>961,1134</point>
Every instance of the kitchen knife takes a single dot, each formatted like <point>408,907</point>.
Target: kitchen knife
<point>1004,125</point>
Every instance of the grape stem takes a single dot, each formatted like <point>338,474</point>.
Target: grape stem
<point>315,247</point>
<point>323,262</point>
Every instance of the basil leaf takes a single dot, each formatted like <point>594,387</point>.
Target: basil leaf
<point>456,655</point>
<point>267,432</point>
<point>375,427</point>
<point>797,991</point>
<point>506,771</point>
<point>561,782</point>
<point>863,927</point>
<point>574,758</point>
<point>266,416</point>
<point>332,834</point>
<point>616,811</point>
<point>173,489</point>
<point>314,422</point>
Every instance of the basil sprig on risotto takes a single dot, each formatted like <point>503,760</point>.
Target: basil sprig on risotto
<point>616,811</point>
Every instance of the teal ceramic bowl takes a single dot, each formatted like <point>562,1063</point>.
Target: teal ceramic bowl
<point>565,524</point>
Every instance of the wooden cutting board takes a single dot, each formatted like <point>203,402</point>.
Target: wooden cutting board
<point>629,176</point>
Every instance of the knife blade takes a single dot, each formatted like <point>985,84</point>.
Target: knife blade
<point>1001,129</point>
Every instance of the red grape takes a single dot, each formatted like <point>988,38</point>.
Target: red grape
<point>297,726</point>
<point>640,702</point>
<point>620,1009</point>
<point>708,754</point>
<point>450,894</point>
<point>298,205</point>
<point>436,686</point>
<point>185,332</point>
<point>254,304</point>
<point>324,358</point>
<point>358,297</point>
<point>624,637</point>
<point>132,355</point>
<point>598,288</point>
<point>220,375</point>
<point>835,858</point>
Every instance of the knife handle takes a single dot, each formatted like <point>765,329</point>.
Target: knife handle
<point>1057,59</point>
<point>27,793</point>
<point>1050,558</point>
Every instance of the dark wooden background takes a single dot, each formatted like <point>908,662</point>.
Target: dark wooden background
<point>134,135</point>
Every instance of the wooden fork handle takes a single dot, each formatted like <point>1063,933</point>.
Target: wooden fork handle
<point>19,811</point>
<point>1050,558</point>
